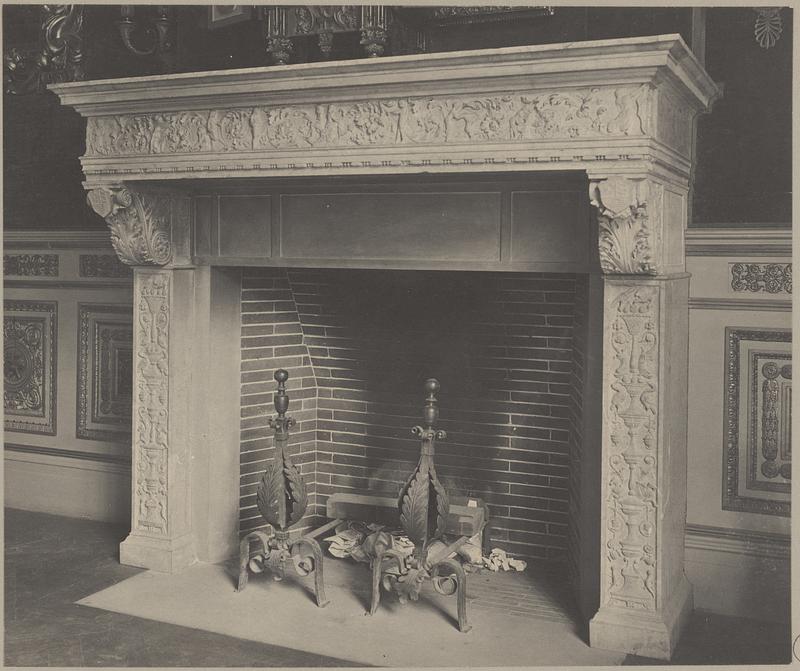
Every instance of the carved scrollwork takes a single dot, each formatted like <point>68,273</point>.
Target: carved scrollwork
<point>772,278</point>
<point>60,58</point>
<point>139,224</point>
<point>631,475</point>
<point>624,242</point>
<point>151,409</point>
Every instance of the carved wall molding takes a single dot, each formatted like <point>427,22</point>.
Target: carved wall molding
<point>104,371</point>
<point>771,278</point>
<point>29,366</point>
<point>631,462</point>
<point>151,419</point>
<point>577,113</point>
<point>624,231</point>
<point>30,265</point>
<point>139,224</point>
<point>757,450</point>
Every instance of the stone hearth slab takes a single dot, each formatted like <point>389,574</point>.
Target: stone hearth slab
<point>421,634</point>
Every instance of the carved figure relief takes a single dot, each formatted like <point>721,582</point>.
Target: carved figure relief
<point>596,112</point>
<point>139,224</point>
<point>29,366</point>
<point>624,235</point>
<point>772,278</point>
<point>105,376</point>
<point>631,466</point>
<point>151,406</point>
<point>30,265</point>
<point>758,392</point>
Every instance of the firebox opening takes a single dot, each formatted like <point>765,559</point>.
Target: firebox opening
<point>508,349</point>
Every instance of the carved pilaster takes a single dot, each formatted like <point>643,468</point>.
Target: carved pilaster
<point>625,237</point>
<point>644,595</point>
<point>160,537</point>
<point>631,460</point>
<point>151,419</point>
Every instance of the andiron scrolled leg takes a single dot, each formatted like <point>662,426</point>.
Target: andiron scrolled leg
<point>311,563</point>
<point>460,587</point>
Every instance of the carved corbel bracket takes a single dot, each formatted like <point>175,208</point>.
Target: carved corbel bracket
<point>139,224</point>
<point>624,237</point>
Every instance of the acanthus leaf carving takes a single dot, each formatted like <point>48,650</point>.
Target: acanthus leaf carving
<point>139,224</point>
<point>624,236</point>
<point>631,465</point>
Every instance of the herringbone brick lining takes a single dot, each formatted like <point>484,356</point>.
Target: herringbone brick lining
<point>358,346</point>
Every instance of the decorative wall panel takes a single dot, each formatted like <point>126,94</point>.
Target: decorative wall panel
<point>30,265</point>
<point>29,366</point>
<point>771,278</point>
<point>105,382</point>
<point>758,395</point>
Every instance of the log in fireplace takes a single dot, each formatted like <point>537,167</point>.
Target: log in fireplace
<point>466,161</point>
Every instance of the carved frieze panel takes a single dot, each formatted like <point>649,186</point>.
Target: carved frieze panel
<point>30,265</point>
<point>102,265</point>
<point>630,454</point>
<point>771,278</point>
<point>151,401</point>
<point>29,366</point>
<point>529,116</point>
<point>105,376</point>
<point>758,393</point>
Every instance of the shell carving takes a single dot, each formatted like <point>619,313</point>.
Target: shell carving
<point>769,26</point>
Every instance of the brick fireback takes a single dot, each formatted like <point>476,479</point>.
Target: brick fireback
<point>358,346</point>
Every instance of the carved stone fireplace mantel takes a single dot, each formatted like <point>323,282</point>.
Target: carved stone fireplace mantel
<point>621,112</point>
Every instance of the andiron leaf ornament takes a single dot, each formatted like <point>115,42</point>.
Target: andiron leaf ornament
<point>282,501</point>
<point>424,507</point>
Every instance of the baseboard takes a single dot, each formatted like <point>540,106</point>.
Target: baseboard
<point>739,573</point>
<point>737,541</point>
<point>75,486</point>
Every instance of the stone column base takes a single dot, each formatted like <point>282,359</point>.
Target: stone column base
<point>648,634</point>
<point>158,554</point>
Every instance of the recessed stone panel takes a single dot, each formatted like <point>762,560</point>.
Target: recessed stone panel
<point>445,226</point>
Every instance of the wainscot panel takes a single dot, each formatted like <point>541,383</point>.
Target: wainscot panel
<point>739,469</point>
<point>67,373</point>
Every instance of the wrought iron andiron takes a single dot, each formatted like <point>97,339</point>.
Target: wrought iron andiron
<point>282,502</point>
<point>424,507</point>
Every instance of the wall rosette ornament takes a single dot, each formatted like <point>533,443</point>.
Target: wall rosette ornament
<point>139,224</point>
<point>624,236</point>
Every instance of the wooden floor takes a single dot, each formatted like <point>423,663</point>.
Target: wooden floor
<point>51,562</point>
